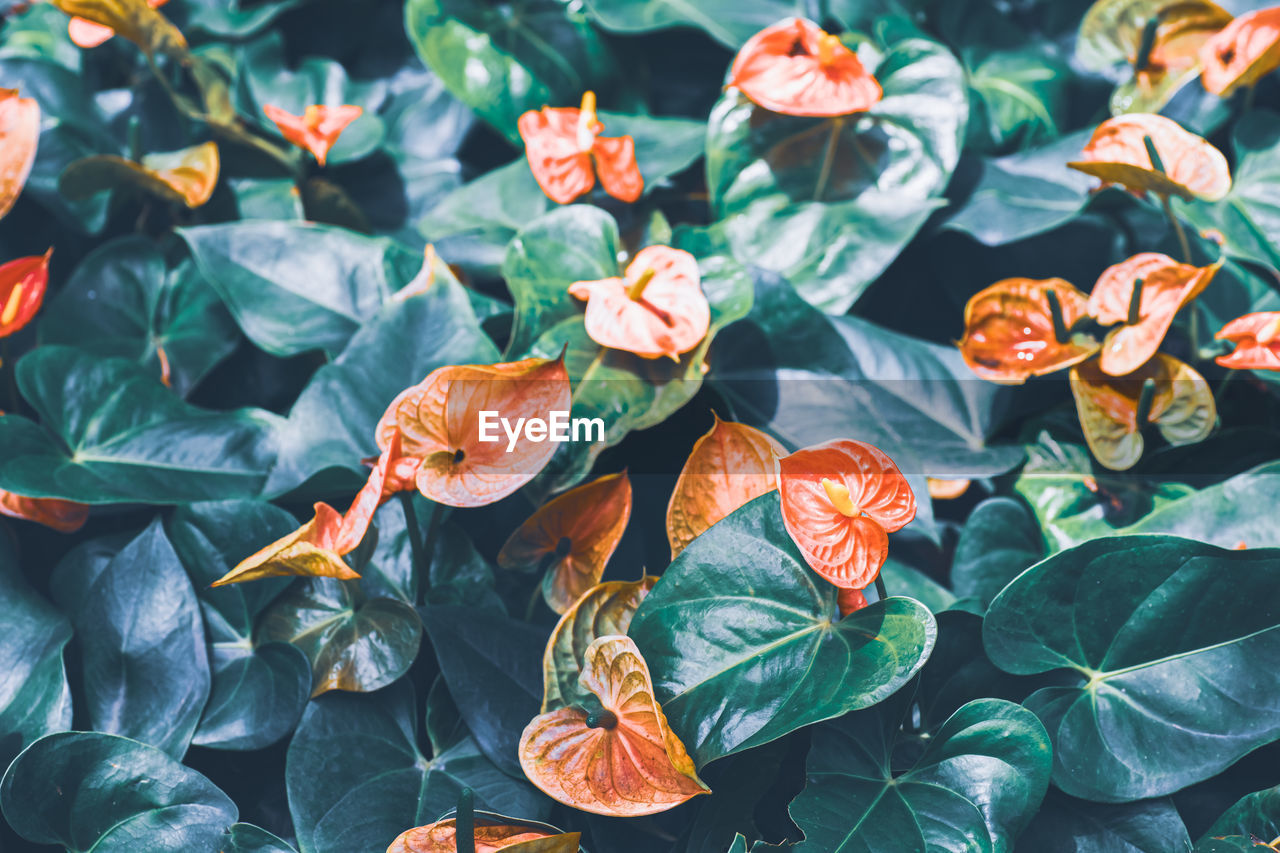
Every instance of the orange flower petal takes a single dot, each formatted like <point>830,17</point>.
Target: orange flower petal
<point>623,761</point>
<point>1257,340</point>
<point>1167,286</point>
<point>946,490</point>
<point>1117,153</point>
<point>310,551</point>
<point>490,836</point>
<point>620,176</point>
<point>1182,407</point>
<point>580,529</point>
<point>1008,330</point>
<point>850,600</point>
<point>795,68</point>
<point>19,134</point>
<point>729,466</point>
<point>356,520</point>
<point>22,285</point>
<point>192,172</point>
<point>840,500</point>
<point>439,420</point>
<point>604,609</point>
<point>62,516</point>
<point>317,129</point>
<point>86,34</point>
<point>559,165</point>
<point>658,310</point>
<point>1242,52</point>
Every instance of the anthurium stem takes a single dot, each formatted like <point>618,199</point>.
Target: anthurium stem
<point>828,159</point>
<point>881,590</point>
<point>1060,331</point>
<point>1143,57</point>
<point>429,549</point>
<point>1177,228</point>
<point>466,822</point>
<point>1145,398</point>
<point>1135,303</point>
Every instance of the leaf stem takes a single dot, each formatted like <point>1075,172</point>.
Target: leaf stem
<point>828,158</point>
<point>1177,228</point>
<point>414,532</point>
<point>465,822</point>
<point>881,590</point>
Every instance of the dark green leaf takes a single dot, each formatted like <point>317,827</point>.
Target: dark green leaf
<point>1068,825</point>
<point>247,838</point>
<point>1000,540</point>
<point>728,22</point>
<point>1254,816</point>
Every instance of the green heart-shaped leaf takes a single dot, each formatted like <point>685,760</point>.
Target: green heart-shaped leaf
<point>728,22</point>
<point>999,540</point>
<point>1253,817</point>
<point>1065,823</point>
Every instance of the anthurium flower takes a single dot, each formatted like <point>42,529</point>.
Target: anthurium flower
<point>317,129</point>
<point>491,835</point>
<point>1243,52</point>
<point>840,502</point>
<point>657,310</point>
<point>604,609</point>
<point>22,285</point>
<point>1257,340</point>
<point>562,143</point>
<point>19,134</point>
<point>849,600</point>
<point>1113,410</point>
<point>796,68</point>
<point>619,759</point>
<point>731,465</point>
<point>1189,166</point>
<point>1010,332</point>
<point>440,422</point>
<point>62,516</point>
<point>1142,294</point>
<point>85,33</point>
<point>579,531</point>
<point>946,490</point>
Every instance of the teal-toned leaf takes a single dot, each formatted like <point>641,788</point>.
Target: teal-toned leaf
<point>458,573</point>
<point>901,579</point>
<point>258,689</point>
<point>475,222</point>
<point>999,541</point>
<point>118,435</point>
<point>141,637</point>
<point>39,32</point>
<point>123,301</point>
<point>1254,816</point>
<point>247,838</point>
<point>358,777</point>
<point>1068,825</point>
<point>1128,618</point>
<point>728,22</point>
<point>739,636</point>
<point>229,18</point>
<point>266,198</point>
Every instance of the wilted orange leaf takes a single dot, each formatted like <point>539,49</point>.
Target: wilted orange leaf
<point>1244,51</point>
<point>1181,406</point>
<point>439,419</point>
<point>729,466</point>
<point>317,129</point>
<point>136,20</point>
<point>490,836</point>
<point>19,134</point>
<point>310,551</point>
<point>621,760</point>
<point>604,609</point>
<point>579,531</point>
<point>1257,340</point>
<point>85,33</point>
<point>840,502</point>
<point>561,144</point>
<point>796,68</point>
<point>658,309</point>
<point>62,516</point>
<point>22,285</point>
<point>187,176</point>
<point>1009,331</point>
<point>1167,286</point>
<point>1192,168</point>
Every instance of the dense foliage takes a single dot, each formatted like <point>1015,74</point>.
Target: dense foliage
<point>933,347</point>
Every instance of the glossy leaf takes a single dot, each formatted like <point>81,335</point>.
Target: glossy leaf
<point>19,136</point>
<point>999,541</point>
<point>725,690</point>
<point>729,23</point>
<point>1253,817</point>
<point>184,177</point>
<point>1189,166</point>
<point>22,287</point>
<point>1112,613</point>
<point>1067,825</point>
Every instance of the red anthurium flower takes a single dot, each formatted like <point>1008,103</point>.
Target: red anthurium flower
<point>1242,52</point>
<point>796,68</point>
<point>561,144</point>
<point>22,285</point>
<point>840,502</point>
<point>62,516</point>
<point>1257,340</point>
<point>658,309</point>
<point>19,135</point>
<point>86,33</point>
<point>317,129</point>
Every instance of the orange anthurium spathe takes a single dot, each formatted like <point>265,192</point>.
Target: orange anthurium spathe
<point>840,502</point>
<point>85,33</point>
<point>1189,166</point>
<point>22,285</point>
<point>19,134</point>
<point>491,836</point>
<point>1162,287</point>
<point>454,458</point>
<point>796,68</point>
<point>657,310</point>
<point>849,600</point>
<point>579,531</point>
<point>1243,52</point>
<point>1114,410</point>
<point>317,129</point>
<point>1257,340</point>
<point>562,143</point>
<point>62,516</point>
<point>946,490</point>
<point>1010,333</point>
<point>621,759</point>
<point>729,466</point>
